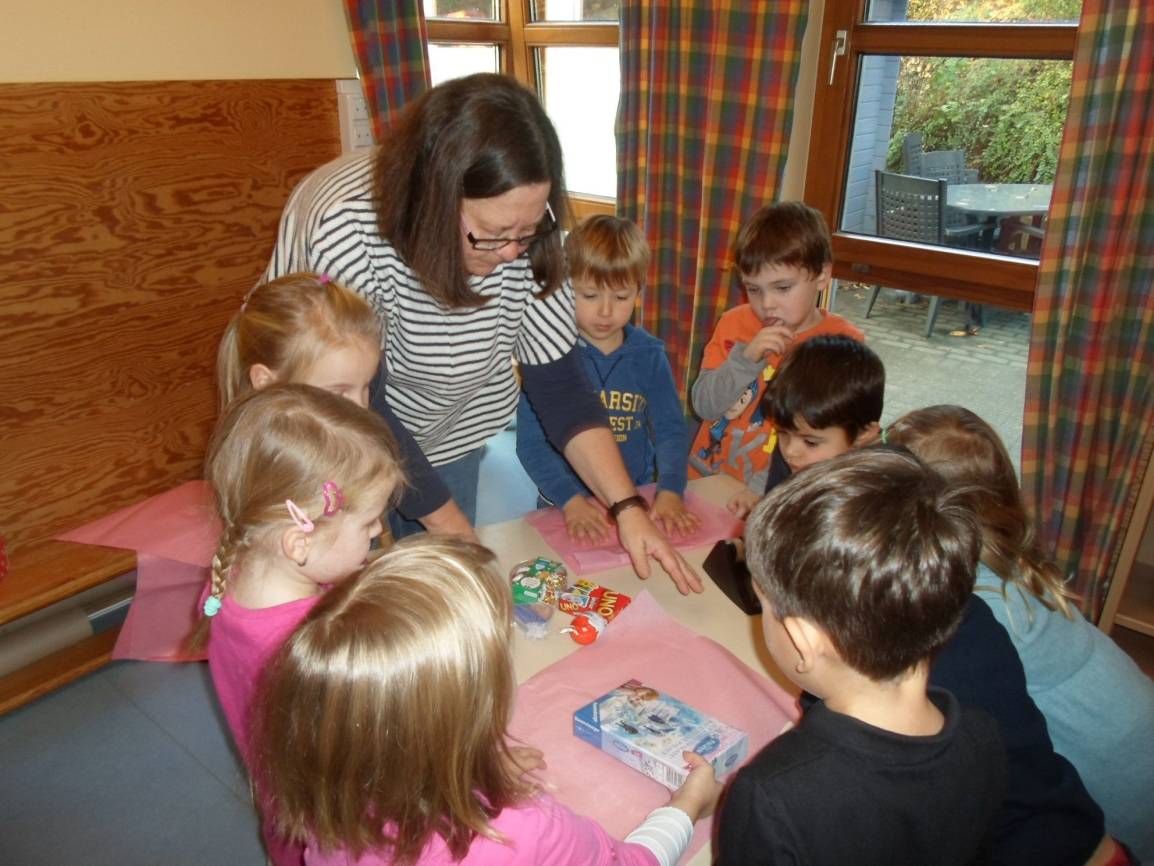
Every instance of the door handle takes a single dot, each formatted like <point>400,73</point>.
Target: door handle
<point>840,40</point>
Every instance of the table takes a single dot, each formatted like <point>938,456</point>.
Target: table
<point>710,613</point>
<point>993,200</point>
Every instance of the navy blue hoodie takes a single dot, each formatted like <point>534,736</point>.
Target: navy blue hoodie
<point>636,387</point>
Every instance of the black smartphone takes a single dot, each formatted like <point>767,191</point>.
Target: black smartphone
<point>728,570</point>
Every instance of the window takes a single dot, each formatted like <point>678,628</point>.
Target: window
<point>968,98</point>
<point>567,51</point>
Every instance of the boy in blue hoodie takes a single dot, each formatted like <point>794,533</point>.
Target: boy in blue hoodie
<point>608,260</point>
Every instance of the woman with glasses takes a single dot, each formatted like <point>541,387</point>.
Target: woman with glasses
<point>449,228</point>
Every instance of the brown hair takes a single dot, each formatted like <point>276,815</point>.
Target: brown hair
<point>287,324</point>
<point>873,547</point>
<point>964,449</point>
<point>608,251</point>
<point>784,233</point>
<point>284,442</point>
<point>382,721</point>
<point>473,137</point>
<point>828,381</point>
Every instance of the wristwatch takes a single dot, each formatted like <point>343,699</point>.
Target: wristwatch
<point>634,501</point>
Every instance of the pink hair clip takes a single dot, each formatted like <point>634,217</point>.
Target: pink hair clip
<point>334,499</point>
<point>299,517</point>
<point>324,279</point>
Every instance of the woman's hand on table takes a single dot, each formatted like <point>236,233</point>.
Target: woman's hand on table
<point>586,521</point>
<point>642,539</point>
<point>671,515</point>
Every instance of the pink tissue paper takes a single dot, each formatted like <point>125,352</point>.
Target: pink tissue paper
<point>174,535</point>
<point>643,642</point>
<point>716,524</point>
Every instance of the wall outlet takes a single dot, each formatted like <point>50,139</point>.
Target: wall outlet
<point>356,126</point>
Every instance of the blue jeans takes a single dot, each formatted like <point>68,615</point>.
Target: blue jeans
<point>460,477</point>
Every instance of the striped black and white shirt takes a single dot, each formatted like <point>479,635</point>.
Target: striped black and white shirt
<point>450,373</point>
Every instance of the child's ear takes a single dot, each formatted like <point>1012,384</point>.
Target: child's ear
<point>261,376</point>
<point>296,544</point>
<point>824,277</point>
<point>868,435</point>
<point>808,640</point>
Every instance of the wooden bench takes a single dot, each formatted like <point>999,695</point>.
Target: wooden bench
<point>133,218</point>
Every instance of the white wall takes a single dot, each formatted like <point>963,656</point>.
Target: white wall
<point>148,40</point>
<point>793,180</point>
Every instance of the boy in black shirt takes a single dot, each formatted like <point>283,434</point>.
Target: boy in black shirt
<point>864,566</point>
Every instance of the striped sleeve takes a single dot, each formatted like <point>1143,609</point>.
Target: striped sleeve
<point>549,329</point>
<point>302,237</point>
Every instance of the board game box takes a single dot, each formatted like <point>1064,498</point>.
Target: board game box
<point>648,730</point>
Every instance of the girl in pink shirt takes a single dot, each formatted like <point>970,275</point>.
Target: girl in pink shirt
<point>301,478</point>
<point>380,735</point>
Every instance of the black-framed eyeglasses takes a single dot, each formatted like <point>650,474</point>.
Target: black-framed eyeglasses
<point>491,244</point>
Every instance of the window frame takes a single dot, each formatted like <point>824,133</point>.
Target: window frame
<point>518,38</point>
<point>990,278</point>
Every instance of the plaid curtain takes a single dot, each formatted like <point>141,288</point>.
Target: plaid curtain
<point>391,47</point>
<point>1089,420</point>
<point>702,129</point>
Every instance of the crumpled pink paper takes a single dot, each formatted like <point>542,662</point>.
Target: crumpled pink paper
<point>165,608</point>
<point>716,524</point>
<point>174,534</point>
<point>178,524</point>
<point>642,643</point>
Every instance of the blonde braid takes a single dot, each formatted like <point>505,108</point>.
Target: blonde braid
<point>222,562</point>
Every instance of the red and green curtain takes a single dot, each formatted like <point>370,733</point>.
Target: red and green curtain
<point>1089,420</point>
<point>391,46</point>
<point>702,130</point>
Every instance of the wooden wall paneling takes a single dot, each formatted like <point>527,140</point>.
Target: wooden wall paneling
<point>133,218</point>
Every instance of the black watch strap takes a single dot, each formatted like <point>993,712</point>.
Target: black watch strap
<point>634,501</point>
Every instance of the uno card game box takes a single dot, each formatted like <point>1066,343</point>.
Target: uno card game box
<point>648,730</point>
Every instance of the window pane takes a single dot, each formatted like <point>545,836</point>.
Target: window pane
<point>974,10</point>
<point>990,128</point>
<point>454,61</point>
<point>574,10</point>
<point>481,10</point>
<point>579,87</point>
<point>985,372</point>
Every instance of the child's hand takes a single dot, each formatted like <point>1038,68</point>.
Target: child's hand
<point>585,522</point>
<point>525,759</point>
<point>770,340</point>
<point>742,502</point>
<point>670,514</point>
<point>522,762</point>
<point>698,797</point>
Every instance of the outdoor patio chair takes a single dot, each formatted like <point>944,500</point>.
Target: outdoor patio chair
<point>914,209</point>
<point>1021,236</point>
<point>948,164</point>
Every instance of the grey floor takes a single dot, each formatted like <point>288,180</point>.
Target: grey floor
<point>131,765</point>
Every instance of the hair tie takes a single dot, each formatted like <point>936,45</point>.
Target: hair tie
<point>324,279</point>
<point>885,436</point>
<point>212,605</point>
<point>299,517</point>
<point>334,498</point>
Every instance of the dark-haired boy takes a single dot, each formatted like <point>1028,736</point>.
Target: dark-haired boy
<point>826,399</point>
<point>864,568</point>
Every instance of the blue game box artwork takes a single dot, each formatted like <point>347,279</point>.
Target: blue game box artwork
<point>648,730</point>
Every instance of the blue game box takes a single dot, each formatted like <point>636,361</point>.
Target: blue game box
<point>648,730</point>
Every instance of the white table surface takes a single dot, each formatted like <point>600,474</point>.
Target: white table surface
<point>999,199</point>
<point>710,613</point>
